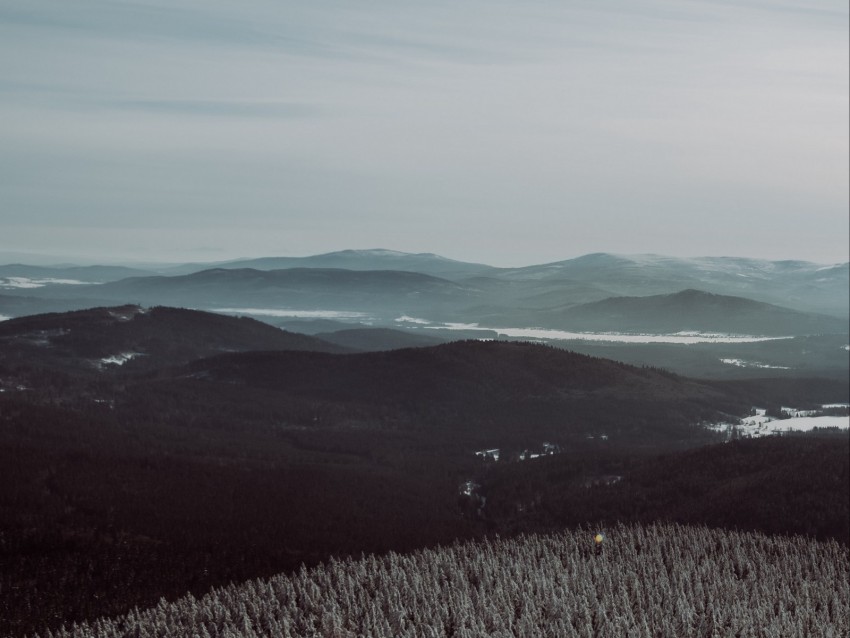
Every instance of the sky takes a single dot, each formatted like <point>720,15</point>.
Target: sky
<point>502,132</point>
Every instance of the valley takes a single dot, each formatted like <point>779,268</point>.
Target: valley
<point>792,315</point>
<point>147,450</point>
<point>424,319</point>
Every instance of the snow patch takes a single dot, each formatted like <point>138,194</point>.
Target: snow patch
<point>126,316</point>
<point>120,359</point>
<point>468,488</point>
<point>752,364</point>
<point>408,319</point>
<point>4,318</point>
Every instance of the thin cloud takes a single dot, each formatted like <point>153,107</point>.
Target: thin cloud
<point>218,108</point>
<point>543,127</point>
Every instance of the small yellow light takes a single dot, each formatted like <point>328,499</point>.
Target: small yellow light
<point>598,538</point>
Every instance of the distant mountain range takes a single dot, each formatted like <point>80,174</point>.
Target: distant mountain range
<point>375,291</point>
<point>803,286</point>
<point>797,284</point>
<point>377,259</point>
<point>383,295</point>
<point>393,300</point>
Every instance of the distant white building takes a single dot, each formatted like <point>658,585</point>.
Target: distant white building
<point>492,454</point>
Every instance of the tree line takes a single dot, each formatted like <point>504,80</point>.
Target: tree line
<point>658,580</point>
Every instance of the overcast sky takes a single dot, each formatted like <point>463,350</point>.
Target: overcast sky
<point>504,132</point>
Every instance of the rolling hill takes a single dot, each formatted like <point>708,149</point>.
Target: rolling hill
<point>804,286</point>
<point>691,310</point>
<point>297,288</point>
<point>466,393</point>
<point>99,338</point>
<point>374,259</point>
<point>376,339</point>
<point>190,467</point>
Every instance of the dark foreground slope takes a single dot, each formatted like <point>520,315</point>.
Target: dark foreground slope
<point>122,484</point>
<point>781,485</point>
<point>100,516</point>
<point>663,580</point>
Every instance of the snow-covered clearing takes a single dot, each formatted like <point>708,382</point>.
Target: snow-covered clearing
<point>752,364</point>
<point>808,423</point>
<point>4,318</point>
<point>760,424</point>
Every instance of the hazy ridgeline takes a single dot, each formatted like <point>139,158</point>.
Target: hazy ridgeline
<point>658,580</point>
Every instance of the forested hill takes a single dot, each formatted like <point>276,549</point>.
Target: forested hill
<point>648,581</point>
<point>495,392</point>
<point>780,485</point>
<point>693,310</point>
<point>376,339</point>
<point>149,337</point>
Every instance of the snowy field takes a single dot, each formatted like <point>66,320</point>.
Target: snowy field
<point>760,424</point>
<point>740,363</point>
<point>120,359</point>
<point>808,423</point>
<point>4,318</point>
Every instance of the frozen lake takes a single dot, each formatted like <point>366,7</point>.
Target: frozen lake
<point>564,335</point>
<point>297,314</point>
